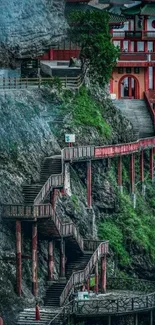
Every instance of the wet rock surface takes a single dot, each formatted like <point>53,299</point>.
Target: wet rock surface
<point>28,29</point>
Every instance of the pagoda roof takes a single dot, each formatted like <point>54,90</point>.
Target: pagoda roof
<point>142,9</point>
<point>113,18</point>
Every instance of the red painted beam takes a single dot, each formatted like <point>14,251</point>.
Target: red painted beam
<point>96,277</point>
<point>18,258</point>
<point>50,261</point>
<point>34,260</point>
<point>103,274</point>
<point>142,166</point>
<point>132,172</point>
<point>120,172</point>
<point>89,184</point>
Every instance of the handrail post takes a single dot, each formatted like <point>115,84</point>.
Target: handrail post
<point>18,258</point>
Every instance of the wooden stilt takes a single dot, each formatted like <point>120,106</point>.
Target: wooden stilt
<point>18,258</point>
<point>62,258</point>
<point>34,260</point>
<point>50,261</point>
<point>103,273</point>
<point>89,181</point>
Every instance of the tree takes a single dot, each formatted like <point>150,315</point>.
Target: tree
<point>98,54</point>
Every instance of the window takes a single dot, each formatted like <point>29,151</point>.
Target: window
<point>136,70</point>
<point>120,70</point>
<point>128,70</point>
<point>140,46</point>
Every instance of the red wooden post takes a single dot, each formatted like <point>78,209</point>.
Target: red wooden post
<point>18,258</point>
<point>120,173</point>
<point>34,260</point>
<point>89,180</point>
<point>146,78</point>
<point>88,284</point>
<point>53,199</point>
<point>142,171</point>
<point>103,274</point>
<point>151,164</point>
<point>132,178</point>
<point>62,259</point>
<point>50,261</point>
<point>51,54</point>
<point>96,277</point>
<point>132,172</point>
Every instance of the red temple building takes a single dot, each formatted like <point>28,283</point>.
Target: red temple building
<point>132,26</point>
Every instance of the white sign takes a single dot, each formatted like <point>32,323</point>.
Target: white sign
<point>69,138</point>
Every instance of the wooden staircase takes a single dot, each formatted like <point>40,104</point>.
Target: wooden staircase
<point>54,291</point>
<point>50,166</point>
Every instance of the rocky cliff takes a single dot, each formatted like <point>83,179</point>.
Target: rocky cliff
<point>28,133</point>
<point>28,28</point>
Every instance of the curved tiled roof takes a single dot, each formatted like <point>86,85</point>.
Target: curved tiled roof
<point>142,9</point>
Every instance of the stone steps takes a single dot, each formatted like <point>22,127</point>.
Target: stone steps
<point>136,112</point>
<point>27,316</point>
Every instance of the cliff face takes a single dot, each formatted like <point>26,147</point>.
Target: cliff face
<point>28,28</point>
<point>28,133</point>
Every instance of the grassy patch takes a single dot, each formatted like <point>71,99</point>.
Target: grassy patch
<point>86,111</point>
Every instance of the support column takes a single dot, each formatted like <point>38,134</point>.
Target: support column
<point>18,258</point>
<point>103,273</point>
<point>130,87</point>
<point>34,260</point>
<point>146,78</point>
<point>62,258</point>
<point>136,319</point>
<point>51,54</point>
<point>89,181</point>
<point>88,284</point>
<point>53,199</point>
<point>151,317</point>
<point>96,277</point>
<point>120,174</point>
<point>109,320</point>
<point>132,179</point>
<point>142,171</point>
<point>50,261</point>
<point>151,164</point>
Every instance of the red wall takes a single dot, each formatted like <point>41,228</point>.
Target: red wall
<point>64,55</point>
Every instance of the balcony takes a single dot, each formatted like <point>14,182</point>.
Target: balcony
<point>132,35</point>
<point>136,59</point>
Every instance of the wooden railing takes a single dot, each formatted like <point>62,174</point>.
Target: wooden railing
<point>42,211</point>
<point>138,301</point>
<point>91,152</point>
<point>80,277</point>
<point>24,83</point>
<point>133,34</point>
<point>91,245</point>
<point>149,106</point>
<point>54,181</point>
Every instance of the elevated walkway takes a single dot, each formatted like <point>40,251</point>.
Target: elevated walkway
<point>137,113</point>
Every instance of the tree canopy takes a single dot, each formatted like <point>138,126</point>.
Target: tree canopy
<point>98,54</point>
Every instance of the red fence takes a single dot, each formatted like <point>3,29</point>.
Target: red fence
<point>91,152</point>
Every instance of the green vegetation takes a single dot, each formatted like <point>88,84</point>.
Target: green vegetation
<point>86,111</point>
<point>128,228</point>
<point>98,54</point>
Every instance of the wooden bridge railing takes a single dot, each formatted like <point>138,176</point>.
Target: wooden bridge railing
<point>24,83</point>
<point>80,277</point>
<point>54,181</point>
<point>143,300</point>
<point>91,152</point>
<point>34,212</point>
<point>150,108</point>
